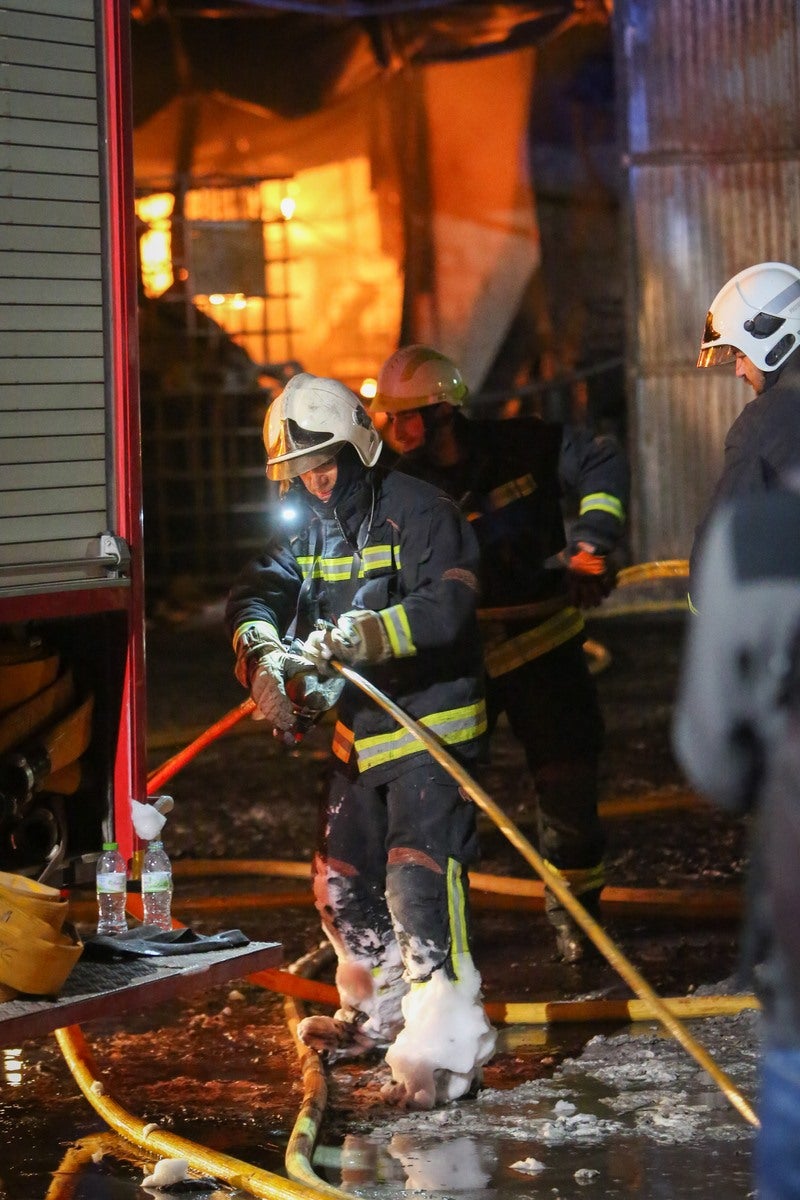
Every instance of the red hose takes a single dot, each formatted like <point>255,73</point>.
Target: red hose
<point>156,779</point>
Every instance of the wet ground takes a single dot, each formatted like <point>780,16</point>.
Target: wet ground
<point>567,1110</point>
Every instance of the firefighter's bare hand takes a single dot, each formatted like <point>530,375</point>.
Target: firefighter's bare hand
<point>268,689</point>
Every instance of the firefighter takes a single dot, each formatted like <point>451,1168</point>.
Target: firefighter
<point>754,321</point>
<point>508,478</point>
<point>379,572</point>
<point>736,733</point>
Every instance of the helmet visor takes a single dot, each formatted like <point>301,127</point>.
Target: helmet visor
<point>298,463</point>
<point>715,356</point>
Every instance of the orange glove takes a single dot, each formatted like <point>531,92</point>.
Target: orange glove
<point>588,577</point>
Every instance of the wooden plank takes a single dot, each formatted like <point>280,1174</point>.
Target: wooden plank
<point>54,550</point>
<point>43,79</point>
<point>19,265</point>
<point>40,370</point>
<point>94,990</point>
<point>53,395</point>
<point>30,52</point>
<point>52,501</point>
<point>39,106</point>
<point>53,475</point>
<point>37,185</point>
<point>23,343</point>
<point>59,161</point>
<point>41,239</point>
<point>18,10</point>
<point>56,291</point>
<point>61,213</point>
<point>57,134</point>
<point>54,424</point>
<point>25,530</point>
<point>30,316</point>
<point>66,449</point>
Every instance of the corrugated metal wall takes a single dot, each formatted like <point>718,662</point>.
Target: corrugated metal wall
<point>709,102</point>
<point>53,500</point>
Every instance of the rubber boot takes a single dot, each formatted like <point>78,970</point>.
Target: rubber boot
<point>572,944</point>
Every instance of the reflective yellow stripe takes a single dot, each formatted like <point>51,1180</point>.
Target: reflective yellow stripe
<point>334,570</point>
<point>515,489</point>
<point>582,879</point>
<point>451,727</point>
<point>602,502</point>
<point>457,913</point>
<point>534,642</point>
<point>398,631</point>
<point>329,569</point>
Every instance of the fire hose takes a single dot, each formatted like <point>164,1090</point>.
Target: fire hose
<point>560,889</point>
<point>650,1000</point>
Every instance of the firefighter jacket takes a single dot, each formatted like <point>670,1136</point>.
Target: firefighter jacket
<point>510,483</point>
<point>762,446</point>
<point>399,547</point>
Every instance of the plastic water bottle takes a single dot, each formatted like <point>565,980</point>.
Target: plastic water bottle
<point>111,890</point>
<point>157,886</point>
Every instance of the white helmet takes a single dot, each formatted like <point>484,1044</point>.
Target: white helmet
<point>415,377</point>
<point>757,312</point>
<point>310,421</point>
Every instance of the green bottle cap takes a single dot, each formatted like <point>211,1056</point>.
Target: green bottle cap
<point>110,845</point>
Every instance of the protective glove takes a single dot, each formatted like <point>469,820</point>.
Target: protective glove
<point>588,578</point>
<point>261,660</point>
<point>357,637</point>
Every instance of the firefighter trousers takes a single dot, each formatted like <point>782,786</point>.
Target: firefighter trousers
<point>390,885</point>
<point>553,711</point>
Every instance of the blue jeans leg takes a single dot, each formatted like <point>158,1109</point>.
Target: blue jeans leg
<point>777,1149</point>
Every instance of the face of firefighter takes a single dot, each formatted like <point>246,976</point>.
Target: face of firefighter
<point>747,370</point>
<point>321,480</point>
<point>405,431</point>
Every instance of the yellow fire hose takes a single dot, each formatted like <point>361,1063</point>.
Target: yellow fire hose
<point>262,1183</point>
<point>553,880</point>
<point>254,1180</point>
<point>300,1149</point>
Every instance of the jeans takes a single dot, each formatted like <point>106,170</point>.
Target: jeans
<point>777,1149</point>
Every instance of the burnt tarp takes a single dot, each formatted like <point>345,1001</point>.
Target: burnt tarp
<point>294,57</point>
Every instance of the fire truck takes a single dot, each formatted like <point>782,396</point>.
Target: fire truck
<point>72,690</point>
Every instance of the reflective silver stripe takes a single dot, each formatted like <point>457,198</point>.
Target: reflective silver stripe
<point>451,727</point>
<point>534,642</point>
<point>457,913</point>
<point>777,304</point>
<point>602,502</point>
<point>398,630</point>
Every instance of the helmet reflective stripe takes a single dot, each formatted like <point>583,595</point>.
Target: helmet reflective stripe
<point>756,313</point>
<point>783,300</point>
<point>310,421</point>
<point>417,377</point>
